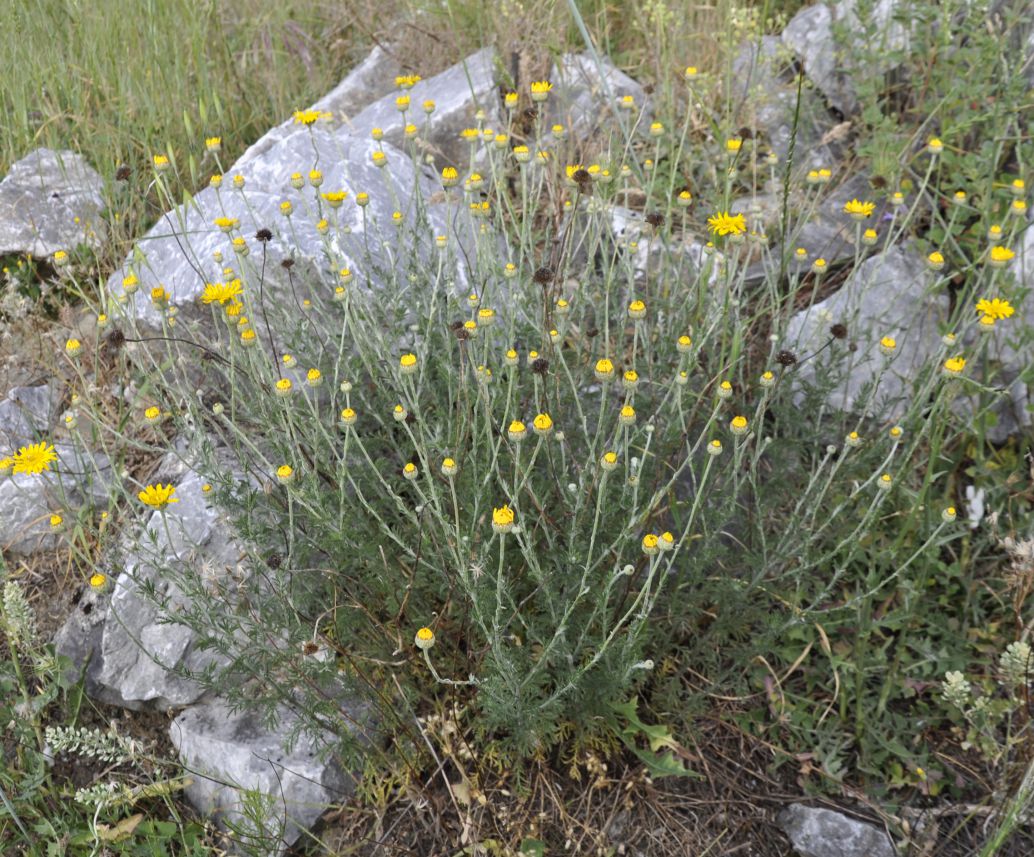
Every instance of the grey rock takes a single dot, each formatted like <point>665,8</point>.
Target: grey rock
<point>226,751</point>
<point>146,658</point>
<point>828,233</point>
<point>24,413</point>
<point>817,832</point>
<point>585,95</point>
<point>50,201</point>
<point>826,36</point>
<point>373,78</point>
<point>178,251</point>
<point>886,295</point>
<point>460,93</point>
<point>763,71</point>
<point>27,501</point>
<point>685,261</point>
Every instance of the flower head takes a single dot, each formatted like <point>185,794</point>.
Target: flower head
<point>724,223</point>
<point>158,496</point>
<point>650,544</point>
<point>502,520</point>
<point>424,639</point>
<point>859,210</point>
<point>310,117</point>
<point>540,90</point>
<point>221,292</point>
<point>542,424</point>
<point>1000,255</point>
<point>953,366</point>
<point>408,364</point>
<point>34,458</point>
<point>996,308</point>
<point>604,370</point>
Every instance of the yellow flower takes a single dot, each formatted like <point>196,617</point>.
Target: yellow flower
<point>1000,255</point>
<point>542,424</point>
<point>314,377</point>
<point>315,178</point>
<point>215,181</point>
<point>666,541</point>
<point>517,431</point>
<point>450,176</point>
<point>158,496</point>
<point>6,465</point>
<point>60,258</point>
<point>159,297</point>
<point>725,390</point>
<point>859,210</point>
<point>540,90</point>
<point>684,198</point>
<point>449,467</point>
<point>626,416</point>
<point>935,260</point>
<point>471,134</point>
<point>408,364</point>
<point>348,417</point>
<point>818,266</point>
<point>934,146</point>
<point>502,520</point>
<point>853,439</point>
<point>683,345</point>
<point>226,223</point>
<point>953,366</point>
<point>97,580</point>
<point>153,414</point>
<point>335,198</point>
<point>656,129</point>
<point>604,370</point>
<point>885,482</point>
<point>56,521</point>
<point>424,639</point>
<point>286,208</point>
<point>161,162</point>
<point>402,103</point>
<point>630,380</point>
<point>714,447</point>
<point>221,292</point>
<point>379,159</point>
<point>284,473</point>
<point>724,223</point>
<point>410,471</point>
<point>362,199</point>
<point>73,347</point>
<point>213,143</point>
<point>510,100</point>
<point>732,146</point>
<point>310,117</point>
<point>650,544</point>
<point>690,72</point>
<point>888,345</point>
<point>949,515</point>
<point>996,308</point>
<point>738,425</point>
<point>608,461</point>
<point>637,310</point>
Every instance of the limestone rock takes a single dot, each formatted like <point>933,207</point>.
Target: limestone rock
<point>373,78</point>
<point>50,201</point>
<point>767,104</point>
<point>886,295</point>
<point>827,36</point>
<point>226,751</point>
<point>817,832</point>
<point>136,656</point>
<point>178,251</point>
<point>459,93</point>
<point>24,413</point>
<point>585,94</point>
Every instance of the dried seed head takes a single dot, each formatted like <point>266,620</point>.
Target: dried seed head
<point>786,358</point>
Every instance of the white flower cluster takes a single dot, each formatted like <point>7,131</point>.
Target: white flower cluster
<point>17,617</point>
<point>1016,663</point>
<point>956,690</point>
<point>107,746</point>
<point>103,794</point>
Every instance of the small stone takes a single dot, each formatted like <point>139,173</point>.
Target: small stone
<point>50,201</point>
<point>817,832</point>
